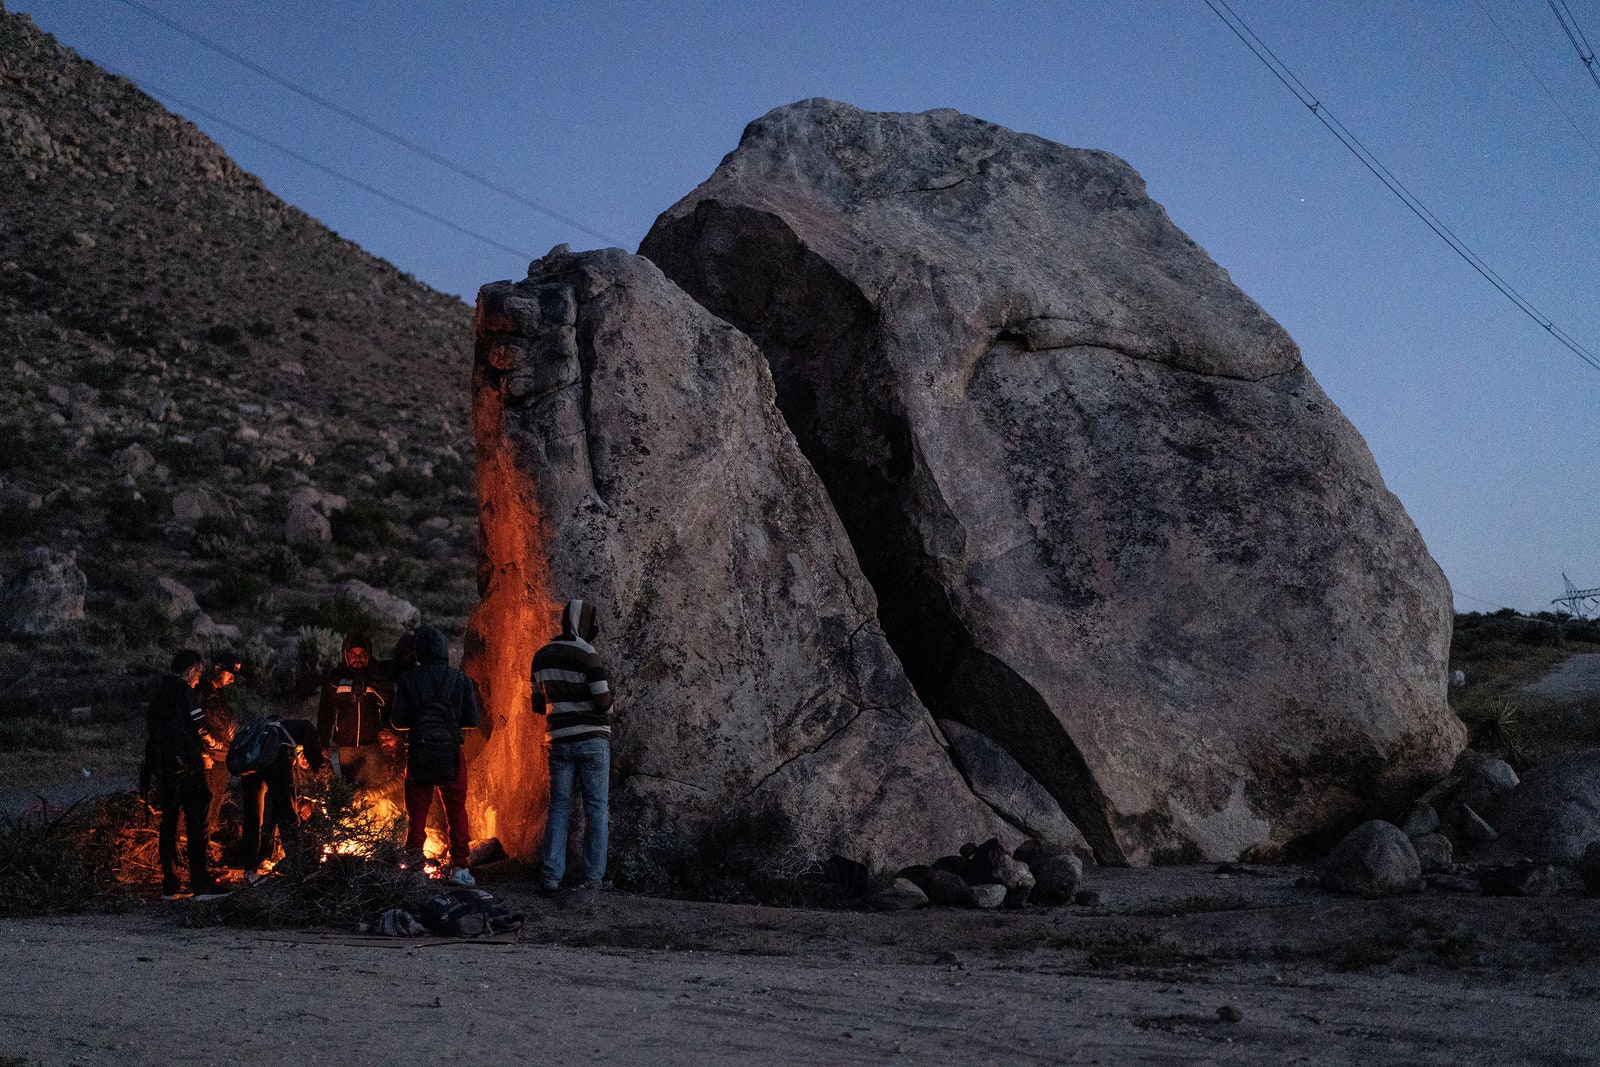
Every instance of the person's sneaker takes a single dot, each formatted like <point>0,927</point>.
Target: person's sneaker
<point>462,876</point>
<point>549,890</point>
<point>174,894</point>
<point>215,893</point>
<point>255,877</point>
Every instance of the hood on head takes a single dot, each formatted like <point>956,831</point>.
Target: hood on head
<point>578,620</point>
<point>357,639</point>
<point>432,647</point>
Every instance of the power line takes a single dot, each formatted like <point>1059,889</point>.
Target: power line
<point>308,161</point>
<point>1575,35</point>
<point>1242,30</point>
<point>345,113</point>
<point>1534,74</point>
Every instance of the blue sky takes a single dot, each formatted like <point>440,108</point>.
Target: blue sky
<point>1482,424</point>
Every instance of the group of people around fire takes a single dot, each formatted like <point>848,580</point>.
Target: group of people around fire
<point>389,728</point>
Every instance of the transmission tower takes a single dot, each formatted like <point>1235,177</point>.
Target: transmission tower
<point>1580,603</point>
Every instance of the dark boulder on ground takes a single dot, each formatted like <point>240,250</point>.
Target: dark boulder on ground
<point>1553,814</point>
<point>1113,523</point>
<point>1376,859</point>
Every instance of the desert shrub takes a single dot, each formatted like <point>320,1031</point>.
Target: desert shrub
<point>32,452</point>
<point>184,459</point>
<point>54,863</point>
<point>143,624</point>
<point>409,482</point>
<point>1178,855</point>
<point>50,734</point>
<point>224,334</point>
<point>364,524</point>
<point>140,518</point>
<point>236,586</point>
<point>340,615</point>
<point>394,571</point>
<point>103,375</point>
<point>281,563</point>
<point>321,650</point>
<point>1361,953</point>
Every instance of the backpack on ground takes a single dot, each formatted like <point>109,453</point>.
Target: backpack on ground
<point>435,741</point>
<point>467,913</point>
<point>257,746</point>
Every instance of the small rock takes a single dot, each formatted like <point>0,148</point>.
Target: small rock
<point>1420,819</point>
<point>1230,1014</point>
<point>394,612</point>
<point>1376,859</point>
<point>899,895</point>
<point>134,461</point>
<point>189,506</point>
<point>989,896</point>
<point>944,888</point>
<point>306,525</point>
<point>1056,879</point>
<point>172,598</point>
<point>1434,852</point>
<point>1474,828</point>
<point>1090,898</point>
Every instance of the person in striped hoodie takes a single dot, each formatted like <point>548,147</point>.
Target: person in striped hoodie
<point>572,690</point>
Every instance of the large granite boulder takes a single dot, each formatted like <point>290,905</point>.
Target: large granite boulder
<point>1553,814</point>
<point>1113,523</point>
<point>630,452</point>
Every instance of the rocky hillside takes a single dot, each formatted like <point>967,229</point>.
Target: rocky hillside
<point>208,392</point>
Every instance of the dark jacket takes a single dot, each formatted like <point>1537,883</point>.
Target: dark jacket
<point>173,720</point>
<point>434,676</point>
<point>355,706</point>
<point>570,682</point>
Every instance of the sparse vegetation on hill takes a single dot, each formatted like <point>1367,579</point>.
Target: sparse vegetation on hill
<point>205,386</point>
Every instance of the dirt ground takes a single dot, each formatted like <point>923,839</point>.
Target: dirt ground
<point>1298,976</point>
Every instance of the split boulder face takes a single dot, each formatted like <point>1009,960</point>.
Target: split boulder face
<point>631,453</point>
<point>1113,523</point>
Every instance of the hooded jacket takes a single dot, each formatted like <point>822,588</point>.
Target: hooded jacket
<point>433,676</point>
<point>571,686</point>
<point>355,703</point>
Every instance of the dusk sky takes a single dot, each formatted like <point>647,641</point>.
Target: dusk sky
<point>606,113</point>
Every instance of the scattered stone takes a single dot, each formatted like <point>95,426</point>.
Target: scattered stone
<point>989,896</point>
<point>205,630</point>
<point>394,612</point>
<point>1420,819</point>
<point>990,863</point>
<point>1485,785</point>
<point>1473,827</point>
<point>1554,813</point>
<point>45,596</point>
<point>1230,1014</point>
<point>1434,852</point>
<point>1056,879</point>
<point>172,598</point>
<point>944,888</point>
<point>1376,859</point>
<point>898,895</point>
<point>134,461</point>
<point>956,865</point>
<point>1090,898</point>
<point>164,410</point>
<point>189,506</point>
<point>305,524</point>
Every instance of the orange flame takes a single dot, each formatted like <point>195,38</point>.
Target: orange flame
<point>508,790</point>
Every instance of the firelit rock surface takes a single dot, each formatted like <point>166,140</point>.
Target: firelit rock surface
<point>631,453</point>
<point>1112,522</point>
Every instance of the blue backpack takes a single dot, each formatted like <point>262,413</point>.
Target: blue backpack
<point>257,746</point>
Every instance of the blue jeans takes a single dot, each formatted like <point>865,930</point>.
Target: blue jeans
<point>587,762</point>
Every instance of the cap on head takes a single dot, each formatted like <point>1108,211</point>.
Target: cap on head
<point>187,660</point>
<point>227,659</point>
